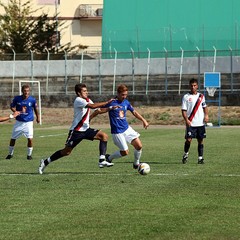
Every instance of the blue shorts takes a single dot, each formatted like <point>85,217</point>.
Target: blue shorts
<point>195,132</point>
<point>75,137</point>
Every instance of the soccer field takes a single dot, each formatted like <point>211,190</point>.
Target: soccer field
<point>74,199</point>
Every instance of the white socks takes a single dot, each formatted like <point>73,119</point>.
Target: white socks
<point>137,156</point>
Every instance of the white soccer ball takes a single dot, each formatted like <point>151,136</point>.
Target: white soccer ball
<point>143,168</point>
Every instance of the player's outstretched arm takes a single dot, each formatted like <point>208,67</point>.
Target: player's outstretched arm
<point>11,116</point>
<point>141,118</point>
<point>99,104</point>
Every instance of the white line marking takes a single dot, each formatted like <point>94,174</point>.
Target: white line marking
<point>52,135</point>
<point>112,174</point>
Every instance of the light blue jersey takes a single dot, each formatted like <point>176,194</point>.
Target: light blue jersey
<point>117,117</point>
<point>25,107</point>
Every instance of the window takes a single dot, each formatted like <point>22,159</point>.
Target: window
<point>48,2</point>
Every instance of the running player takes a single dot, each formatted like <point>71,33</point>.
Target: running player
<point>81,130</point>
<point>122,133</point>
<point>26,105</point>
<point>195,115</point>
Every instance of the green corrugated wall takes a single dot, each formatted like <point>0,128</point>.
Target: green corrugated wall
<point>170,24</point>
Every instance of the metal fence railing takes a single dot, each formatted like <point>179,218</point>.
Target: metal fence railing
<point>146,73</point>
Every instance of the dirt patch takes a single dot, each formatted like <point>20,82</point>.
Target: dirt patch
<point>155,115</point>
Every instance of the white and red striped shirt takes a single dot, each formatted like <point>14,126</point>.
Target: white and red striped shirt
<point>194,108</point>
<point>81,114</point>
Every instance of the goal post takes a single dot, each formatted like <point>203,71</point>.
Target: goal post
<point>39,95</point>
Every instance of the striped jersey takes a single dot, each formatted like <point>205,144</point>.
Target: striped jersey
<point>81,114</point>
<point>194,108</point>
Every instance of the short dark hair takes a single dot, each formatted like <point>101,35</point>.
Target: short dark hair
<point>25,86</point>
<point>193,80</point>
<point>79,87</point>
<point>122,88</point>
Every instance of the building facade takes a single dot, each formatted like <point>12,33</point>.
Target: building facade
<point>82,19</point>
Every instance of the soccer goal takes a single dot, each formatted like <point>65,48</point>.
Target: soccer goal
<point>35,85</point>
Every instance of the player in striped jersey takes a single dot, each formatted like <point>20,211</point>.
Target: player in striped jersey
<point>81,130</point>
<point>195,115</point>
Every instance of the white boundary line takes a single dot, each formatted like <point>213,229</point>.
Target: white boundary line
<point>113,174</point>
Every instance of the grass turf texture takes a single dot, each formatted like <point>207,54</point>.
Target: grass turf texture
<point>74,199</point>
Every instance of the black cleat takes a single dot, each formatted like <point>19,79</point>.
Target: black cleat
<point>107,158</point>
<point>29,158</point>
<point>185,158</point>
<point>9,156</point>
<point>135,166</point>
<point>201,161</point>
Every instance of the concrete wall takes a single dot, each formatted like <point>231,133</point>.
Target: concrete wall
<point>123,67</point>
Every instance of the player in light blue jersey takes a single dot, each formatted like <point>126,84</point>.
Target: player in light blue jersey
<point>27,106</point>
<point>122,133</point>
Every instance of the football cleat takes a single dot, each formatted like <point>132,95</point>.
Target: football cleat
<point>9,156</point>
<point>105,163</point>
<point>135,166</point>
<point>29,158</point>
<point>200,161</point>
<point>41,166</point>
<point>107,158</point>
<point>185,158</point>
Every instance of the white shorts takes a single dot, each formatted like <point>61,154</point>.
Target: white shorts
<point>121,140</point>
<point>22,128</point>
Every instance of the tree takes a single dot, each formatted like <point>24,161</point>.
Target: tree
<point>21,32</point>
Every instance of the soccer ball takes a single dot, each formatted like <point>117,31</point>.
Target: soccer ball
<point>143,168</point>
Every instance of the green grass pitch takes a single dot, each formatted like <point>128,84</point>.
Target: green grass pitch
<point>74,199</point>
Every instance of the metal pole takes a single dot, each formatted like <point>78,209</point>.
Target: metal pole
<point>214,59</point>
<point>133,72</point>
<point>181,69</point>
<point>13,74</point>
<point>31,64</point>
<point>114,71</point>
<point>231,67</point>
<point>148,70</point>
<point>166,71</point>
<point>99,74</point>
<point>65,67</point>
<point>48,57</point>
<point>199,68</point>
<point>81,69</point>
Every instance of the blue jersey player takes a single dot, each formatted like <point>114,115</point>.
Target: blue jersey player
<point>26,105</point>
<point>122,132</point>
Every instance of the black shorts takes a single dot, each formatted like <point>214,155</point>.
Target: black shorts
<point>195,132</point>
<point>75,137</point>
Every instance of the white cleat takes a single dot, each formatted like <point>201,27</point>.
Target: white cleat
<point>105,163</point>
<point>41,166</point>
